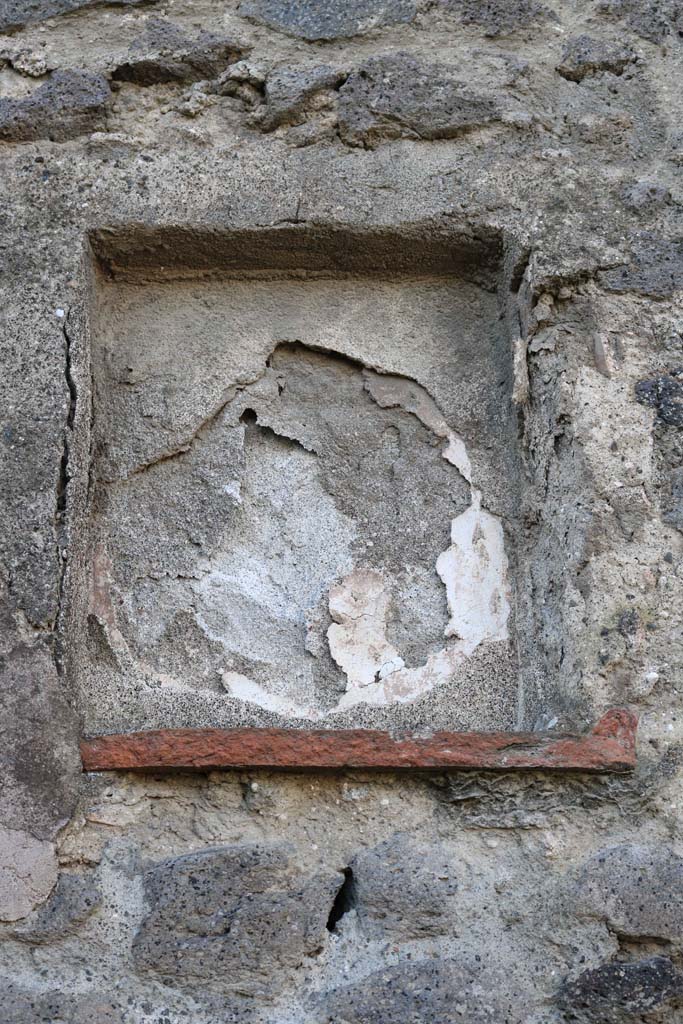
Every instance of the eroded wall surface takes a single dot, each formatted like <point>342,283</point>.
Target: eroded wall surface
<point>285,529</point>
<point>161,396</point>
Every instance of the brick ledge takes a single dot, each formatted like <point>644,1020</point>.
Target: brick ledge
<point>609,747</point>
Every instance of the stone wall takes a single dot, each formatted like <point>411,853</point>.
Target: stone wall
<point>250,194</point>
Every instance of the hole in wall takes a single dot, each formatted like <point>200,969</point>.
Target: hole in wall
<point>344,901</point>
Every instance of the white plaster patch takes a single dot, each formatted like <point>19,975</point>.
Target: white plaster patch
<point>357,637</point>
<point>28,872</point>
<point>474,572</point>
<point>407,684</point>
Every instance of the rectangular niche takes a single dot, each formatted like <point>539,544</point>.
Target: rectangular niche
<point>304,483</point>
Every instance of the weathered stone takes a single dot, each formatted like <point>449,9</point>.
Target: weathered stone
<point>71,902</point>
<point>39,758</point>
<point>674,515</point>
<point>610,747</point>
<point>243,80</point>
<point>55,1007</point>
<point>619,993</point>
<point>438,991</point>
<point>655,269</point>
<point>645,196</point>
<point>397,96</point>
<point>238,917</point>
<point>637,890</point>
<point>288,92</point>
<point>325,19</point>
<point>652,19</point>
<point>14,14</point>
<point>404,889</point>
<point>28,871</point>
<point>164,53</point>
<point>665,394</point>
<point>584,56</point>
<point>499,17</point>
<point>71,103</point>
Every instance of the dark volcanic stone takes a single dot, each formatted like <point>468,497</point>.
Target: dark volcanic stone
<point>438,992</point>
<point>584,56</point>
<point>15,14</point>
<point>665,394</point>
<point>616,993</point>
<point>396,96</point>
<point>652,19</point>
<point>498,17</point>
<point>237,916</point>
<point>637,890</point>
<point>72,901</point>
<point>71,103</point>
<point>655,269</point>
<point>328,19</point>
<point>674,516</point>
<point>165,54</point>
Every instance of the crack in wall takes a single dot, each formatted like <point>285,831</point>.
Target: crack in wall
<point>62,495</point>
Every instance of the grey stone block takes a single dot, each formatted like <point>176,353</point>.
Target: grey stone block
<point>72,901</point>
<point>584,56</point>
<point>397,96</point>
<point>238,917</point>
<point>24,1007</point>
<point>499,17</point>
<point>404,889</point>
<point>637,890</point>
<point>71,103</point>
<point>288,90</point>
<point>653,20</point>
<point>438,991</point>
<point>645,196</point>
<point>619,993</point>
<point>164,53</point>
<point>326,19</point>
<point>654,270</point>
<point>14,14</point>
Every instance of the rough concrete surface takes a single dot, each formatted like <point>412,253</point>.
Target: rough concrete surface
<point>342,350</point>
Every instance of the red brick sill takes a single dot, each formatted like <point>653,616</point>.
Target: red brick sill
<point>609,747</point>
